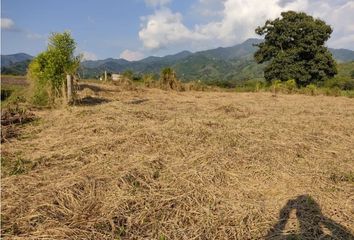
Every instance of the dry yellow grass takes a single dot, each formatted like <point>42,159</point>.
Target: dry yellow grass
<point>182,165</point>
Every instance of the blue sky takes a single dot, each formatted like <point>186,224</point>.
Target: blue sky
<point>133,29</point>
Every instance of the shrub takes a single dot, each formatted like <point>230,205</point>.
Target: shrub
<point>195,86</point>
<point>311,89</point>
<point>335,91</point>
<point>343,83</point>
<point>13,94</point>
<point>276,86</point>
<point>149,80</point>
<point>290,85</point>
<point>252,85</point>
<point>128,74</point>
<point>48,70</point>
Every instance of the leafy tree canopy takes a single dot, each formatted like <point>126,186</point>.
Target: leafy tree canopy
<point>49,68</point>
<point>294,49</point>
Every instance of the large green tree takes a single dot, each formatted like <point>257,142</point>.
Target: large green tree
<point>294,48</point>
<point>48,70</point>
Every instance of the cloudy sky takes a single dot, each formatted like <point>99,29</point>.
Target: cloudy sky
<point>138,28</point>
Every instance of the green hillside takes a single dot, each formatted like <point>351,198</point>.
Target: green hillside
<point>230,65</point>
<point>346,69</point>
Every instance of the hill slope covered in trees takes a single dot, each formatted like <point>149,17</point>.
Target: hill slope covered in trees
<point>229,65</point>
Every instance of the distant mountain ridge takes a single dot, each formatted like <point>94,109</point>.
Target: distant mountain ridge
<point>227,64</point>
<point>232,64</point>
<point>342,55</point>
<point>7,60</point>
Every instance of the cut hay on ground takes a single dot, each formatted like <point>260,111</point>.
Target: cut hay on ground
<point>10,119</point>
<point>184,165</point>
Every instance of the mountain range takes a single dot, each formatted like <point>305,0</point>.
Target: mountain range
<point>229,64</point>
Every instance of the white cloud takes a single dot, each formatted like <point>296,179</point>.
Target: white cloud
<point>7,24</point>
<point>340,17</point>
<point>208,8</point>
<point>236,20</point>
<point>157,3</point>
<point>88,55</point>
<point>239,18</point>
<point>131,55</point>
<point>346,41</point>
<point>164,28</point>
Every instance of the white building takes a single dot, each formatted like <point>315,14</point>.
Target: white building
<point>116,77</point>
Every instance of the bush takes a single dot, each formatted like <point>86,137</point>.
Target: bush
<point>349,94</point>
<point>343,83</point>
<point>335,91</point>
<point>48,70</point>
<point>290,85</point>
<point>42,97</point>
<point>195,86</point>
<point>252,85</point>
<point>12,94</point>
<point>276,86</point>
<point>311,89</point>
<point>149,80</point>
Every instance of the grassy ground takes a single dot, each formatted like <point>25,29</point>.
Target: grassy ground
<point>153,164</point>
<point>12,89</point>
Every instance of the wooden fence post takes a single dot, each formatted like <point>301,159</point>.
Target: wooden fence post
<point>69,87</point>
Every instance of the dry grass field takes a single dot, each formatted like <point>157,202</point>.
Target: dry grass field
<point>153,164</point>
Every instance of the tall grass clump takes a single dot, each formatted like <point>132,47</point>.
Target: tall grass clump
<point>252,85</point>
<point>311,90</point>
<point>149,80</point>
<point>195,86</point>
<point>290,86</point>
<point>169,81</point>
<point>276,87</point>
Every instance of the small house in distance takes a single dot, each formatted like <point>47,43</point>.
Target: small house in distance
<point>116,77</point>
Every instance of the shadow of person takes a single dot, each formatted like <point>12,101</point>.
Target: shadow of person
<point>312,223</point>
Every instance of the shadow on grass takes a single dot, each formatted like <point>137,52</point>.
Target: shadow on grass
<point>312,223</point>
<point>93,88</point>
<point>91,101</point>
<point>82,86</point>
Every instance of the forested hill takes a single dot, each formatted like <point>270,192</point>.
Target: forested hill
<point>8,60</point>
<point>230,64</point>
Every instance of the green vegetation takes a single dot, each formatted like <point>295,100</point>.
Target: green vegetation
<point>17,69</point>
<point>48,70</point>
<point>294,49</point>
<point>12,94</point>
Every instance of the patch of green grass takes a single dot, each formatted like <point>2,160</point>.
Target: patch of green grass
<point>342,177</point>
<point>12,94</point>
<point>12,76</point>
<point>15,165</point>
<point>20,166</point>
